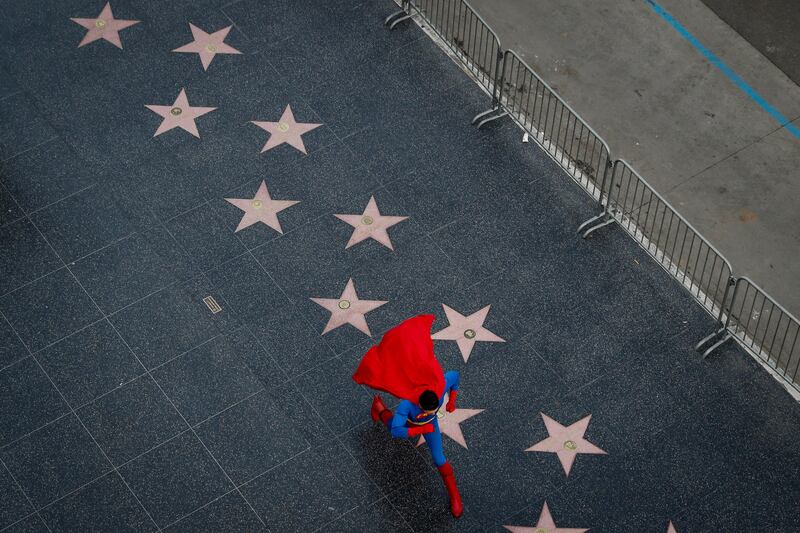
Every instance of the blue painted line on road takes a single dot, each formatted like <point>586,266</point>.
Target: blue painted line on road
<point>735,78</point>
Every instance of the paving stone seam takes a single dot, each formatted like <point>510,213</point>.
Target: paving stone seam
<point>231,406</point>
<point>36,105</point>
<point>9,365</point>
<point>323,526</point>
<point>525,339</point>
<point>165,287</point>
<point>31,282</point>
<point>29,433</point>
<point>13,200</point>
<point>345,513</point>
<point>224,14</point>
<point>178,356</point>
<point>556,490</point>
<point>24,518</point>
<point>12,93</point>
<point>200,509</point>
<point>304,373</point>
<point>78,489</point>
<point>30,503</point>
<point>116,388</point>
<point>25,151</point>
<point>12,221</point>
<point>119,240</point>
<point>236,26</point>
<point>67,197</point>
<point>87,326</point>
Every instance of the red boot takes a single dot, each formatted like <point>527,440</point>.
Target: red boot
<point>379,411</point>
<point>456,507</point>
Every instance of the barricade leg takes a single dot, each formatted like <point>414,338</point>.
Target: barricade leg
<point>398,16</point>
<point>595,223</point>
<point>726,336</point>
<point>489,115</point>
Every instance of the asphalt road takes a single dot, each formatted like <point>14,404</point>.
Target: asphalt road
<point>771,26</point>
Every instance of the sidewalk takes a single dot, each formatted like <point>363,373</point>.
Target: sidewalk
<point>185,294</point>
<point>718,157</point>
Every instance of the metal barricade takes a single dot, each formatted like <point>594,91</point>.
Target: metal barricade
<point>668,237</point>
<point>554,125</point>
<point>742,309</point>
<point>762,326</point>
<point>464,32</point>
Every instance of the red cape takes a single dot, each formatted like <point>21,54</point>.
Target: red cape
<point>403,363</point>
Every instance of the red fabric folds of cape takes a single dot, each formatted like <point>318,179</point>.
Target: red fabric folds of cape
<point>403,363</point>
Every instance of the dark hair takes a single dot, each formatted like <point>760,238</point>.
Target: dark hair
<point>428,400</point>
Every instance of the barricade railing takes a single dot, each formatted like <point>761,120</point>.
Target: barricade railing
<point>554,125</point>
<point>668,237</point>
<point>764,327</point>
<point>742,310</point>
<point>464,32</point>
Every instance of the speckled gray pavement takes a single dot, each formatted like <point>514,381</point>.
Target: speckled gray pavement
<point>127,404</point>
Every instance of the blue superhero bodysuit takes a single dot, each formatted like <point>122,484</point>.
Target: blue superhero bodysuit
<point>410,414</point>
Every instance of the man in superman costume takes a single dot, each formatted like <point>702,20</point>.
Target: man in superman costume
<point>403,364</point>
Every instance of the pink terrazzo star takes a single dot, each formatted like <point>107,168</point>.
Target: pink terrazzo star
<point>466,330</point>
<point>348,309</point>
<point>105,27</point>
<point>566,442</point>
<point>286,130</point>
<point>544,525</point>
<point>671,528</point>
<point>370,225</point>
<point>450,423</point>
<point>261,208</point>
<point>179,115</point>
<point>207,45</point>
